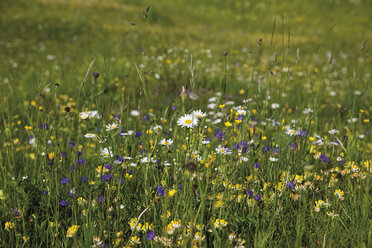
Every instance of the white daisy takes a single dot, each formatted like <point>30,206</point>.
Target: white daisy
<point>135,113</point>
<point>188,121</point>
<point>90,135</point>
<point>223,150</point>
<point>291,132</point>
<point>165,142</point>
<point>198,113</point>
<point>333,131</point>
<point>112,126</point>
<point>275,105</point>
<point>106,152</point>
<point>272,159</point>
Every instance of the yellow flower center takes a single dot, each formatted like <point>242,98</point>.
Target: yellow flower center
<point>188,121</point>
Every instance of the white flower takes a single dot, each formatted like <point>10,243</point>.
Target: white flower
<point>198,114</point>
<point>89,114</point>
<point>333,131</point>
<point>212,99</point>
<point>188,121</point>
<point>135,113</point>
<point>223,150</point>
<point>90,135</point>
<point>272,159</point>
<point>361,136</point>
<point>291,132</point>
<point>307,111</point>
<point>211,105</point>
<point>275,105</point>
<point>165,142</point>
<point>112,126</point>
<point>106,152</point>
<point>205,142</point>
<point>244,159</point>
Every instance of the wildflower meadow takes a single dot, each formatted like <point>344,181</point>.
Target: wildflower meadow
<point>185,123</point>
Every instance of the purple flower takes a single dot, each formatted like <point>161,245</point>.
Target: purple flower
<point>117,117</point>
<point>121,180</point>
<point>84,179</point>
<point>45,192</point>
<point>79,153</point>
<point>257,197</point>
<point>302,133</point>
<point>16,211</point>
<point>65,180</point>
<point>44,126</point>
<point>100,199</point>
<point>72,144</point>
<point>219,135</point>
<point>121,133</point>
<point>256,165</point>
<point>250,192</point>
<point>63,154</point>
<point>293,146</point>
<point>150,235</point>
<point>174,107</point>
<point>291,185</point>
<point>146,117</point>
<point>180,186</point>
<point>106,177</point>
<point>72,167</point>
<point>64,203</point>
<point>324,158</point>
<point>72,191</point>
<point>107,166</point>
<point>160,191</point>
<point>138,134</point>
<point>80,161</point>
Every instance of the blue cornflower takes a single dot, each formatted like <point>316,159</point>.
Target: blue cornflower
<point>44,126</point>
<point>107,166</point>
<point>160,191</point>
<point>219,135</point>
<point>106,177</point>
<point>138,134</point>
<point>150,235</point>
<point>256,165</point>
<point>65,180</point>
<point>257,197</point>
<point>291,185</point>
<point>100,199</point>
<point>64,203</point>
<point>324,158</point>
<point>80,161</point>
<point>16,211</point>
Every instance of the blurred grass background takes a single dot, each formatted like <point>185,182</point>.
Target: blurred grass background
<point>77,31</point>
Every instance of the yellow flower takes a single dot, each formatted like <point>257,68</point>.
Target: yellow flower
<point>2,196</point>
<point>264,138</point>
<point>72,231</point>
<point>27,127</point>
<point>9,225</point>
<point>228,124</point>
<point>51,156</point>
<point>172,192</point>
